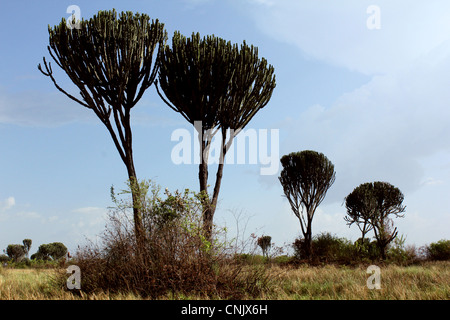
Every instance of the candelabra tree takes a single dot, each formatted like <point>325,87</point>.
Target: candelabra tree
<point>372,204</point>
<point>306,178</point>
<point>111,60</point>
<point>217,87</point>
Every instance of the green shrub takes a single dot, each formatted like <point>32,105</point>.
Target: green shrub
<point>175,257</point>
<point>300,250</point>
<point>401,254</point>
<point>438,250</point>
<point>327,248</point>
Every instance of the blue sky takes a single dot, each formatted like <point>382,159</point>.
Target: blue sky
<point>374,101</point>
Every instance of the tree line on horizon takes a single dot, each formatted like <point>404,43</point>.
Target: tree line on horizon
<point>21,252</point>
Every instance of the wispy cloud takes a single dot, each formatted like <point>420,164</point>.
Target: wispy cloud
<point>381,130</point>
<point>7,204</point>
<point>336,31</point>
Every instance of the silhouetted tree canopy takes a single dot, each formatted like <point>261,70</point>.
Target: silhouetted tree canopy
<point>27,246</point>
<point>16,252</point>
<point>219,86</point>
<point>306,177</point>
<point>265,243</point>
<point>110,59</point>
<point>370,206</point>
<point>50,251</point>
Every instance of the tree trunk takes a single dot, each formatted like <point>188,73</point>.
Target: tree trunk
<point>137,205</point>
<point>210,209</point>
<point>208,213</point>
<point>308,236</point>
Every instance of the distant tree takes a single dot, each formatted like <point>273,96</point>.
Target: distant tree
<point>361,209</point>
<point>265,243</point>
<point>43,253</point>
<point>215,86</point>
<point>306,177</point>
<point>50,251</point>
<point>27,246</point>
<point>373,205</point>
<point>110,60</point>
<point>57,250</point>
<point>16,252</point>
<point>4,258</point>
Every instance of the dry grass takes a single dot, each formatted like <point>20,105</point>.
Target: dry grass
<point>430,281</point>
<point>41,284</point>
<point>422,282</point>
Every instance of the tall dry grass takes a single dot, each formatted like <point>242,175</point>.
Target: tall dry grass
<point>428,281</point>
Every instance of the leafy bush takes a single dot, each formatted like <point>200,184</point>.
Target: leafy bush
<point>367,250</point>
<point>438,250</point>
<point>175,257</point>
<point>300,250</point>
<point>399,253</point>
<point>328,248</point>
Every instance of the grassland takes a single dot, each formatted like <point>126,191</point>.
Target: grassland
<point>427,281</point>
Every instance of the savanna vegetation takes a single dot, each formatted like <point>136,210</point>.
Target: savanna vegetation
<point>164,244</point>
<point>178,262</point>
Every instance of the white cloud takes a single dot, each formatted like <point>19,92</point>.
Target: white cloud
<point>382,130</point>
<point>432,182</point>
<point>7,204</point>
<point>336,31</point>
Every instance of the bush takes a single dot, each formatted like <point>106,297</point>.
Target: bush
<point>300,250</point>
<point>175,257</point>
<point>367,250</point>
<point>400,254</point>
<point>438,251</point>
<point>327,248</point>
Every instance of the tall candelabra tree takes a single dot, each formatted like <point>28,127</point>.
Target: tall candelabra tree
<point>306,178</point>
<point>217,87</point>
<point>389,200</point>
<point>361,208</point>
<point>372,204</point>
<point>110,59</point>
<point>265,242</point>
